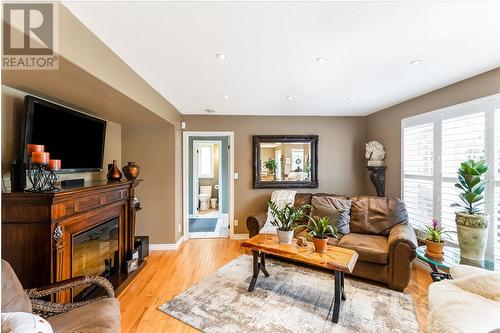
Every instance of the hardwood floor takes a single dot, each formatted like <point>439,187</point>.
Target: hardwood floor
<point>168,273</point>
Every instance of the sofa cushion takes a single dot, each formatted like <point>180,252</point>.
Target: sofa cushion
<point>376,215</point>
<point>337,209</point>
<point>370,248</point>
<point>100,317</point>
<point>14,299</point>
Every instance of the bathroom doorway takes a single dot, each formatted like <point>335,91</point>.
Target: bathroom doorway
<point>208,184</point>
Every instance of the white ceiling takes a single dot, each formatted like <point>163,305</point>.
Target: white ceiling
<point>271,49</point>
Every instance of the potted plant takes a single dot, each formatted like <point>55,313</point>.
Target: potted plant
<point>434,239</point>
<point>320,229</point>
<point>285,219</point>
<point>271,165</point>
<point>472,224</point>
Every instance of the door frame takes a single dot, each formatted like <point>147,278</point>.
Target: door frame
<point>196,178</point>
<point>185,177</point>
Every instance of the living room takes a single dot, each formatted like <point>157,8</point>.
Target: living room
<point>251,166</point>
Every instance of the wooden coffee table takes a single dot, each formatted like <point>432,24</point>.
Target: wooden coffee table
<point>337,259</point>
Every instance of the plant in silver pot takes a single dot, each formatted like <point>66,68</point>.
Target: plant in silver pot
<point>285,220</point>
<point>472,223</point>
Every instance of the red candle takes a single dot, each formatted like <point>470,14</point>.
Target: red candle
<point>33,147</point>
<point>54,165</point>
<point>40,157</point>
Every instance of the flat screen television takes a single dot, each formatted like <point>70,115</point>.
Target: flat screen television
<point>75,138</point>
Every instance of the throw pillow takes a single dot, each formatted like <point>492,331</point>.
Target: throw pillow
<point>336,209</point>
<point>22,322</point>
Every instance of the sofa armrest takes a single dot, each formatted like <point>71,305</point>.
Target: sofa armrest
<point>255,223</point>
<point>402,250</point>
<point>403,233</point>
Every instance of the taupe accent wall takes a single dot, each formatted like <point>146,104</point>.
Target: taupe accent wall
<point>341,153</point>
<point>385,125</point>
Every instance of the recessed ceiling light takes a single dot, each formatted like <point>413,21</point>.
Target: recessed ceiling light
<point>416,62</point>
<point>221,56</point>
<point>209,110</point>
<point>321,59</point>
<point>289,98</point>
<point>225,96</point>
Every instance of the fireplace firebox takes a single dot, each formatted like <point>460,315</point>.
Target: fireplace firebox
<point>95,252</point>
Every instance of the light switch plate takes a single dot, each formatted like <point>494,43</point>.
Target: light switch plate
<point>235,223</point>
<point>183,125</point>
<point>235,175</point>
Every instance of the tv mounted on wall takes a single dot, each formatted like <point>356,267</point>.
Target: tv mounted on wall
<point>75,138</point>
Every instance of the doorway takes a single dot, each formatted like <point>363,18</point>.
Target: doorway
<point>208,184</point>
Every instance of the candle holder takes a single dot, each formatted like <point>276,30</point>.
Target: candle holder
<point>38,176</point>
<point>51,181</point>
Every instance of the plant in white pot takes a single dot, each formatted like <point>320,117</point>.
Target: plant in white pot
<point>285,220</point>
<point>472,223</point>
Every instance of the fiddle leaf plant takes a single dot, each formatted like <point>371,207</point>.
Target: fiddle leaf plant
<point>271,165</point>
<point>320,227</point>
<point>285,218</point>
<point>472,185</point>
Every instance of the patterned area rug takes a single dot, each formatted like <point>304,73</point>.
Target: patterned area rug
<point>202,224</point>
<point>293,299</point>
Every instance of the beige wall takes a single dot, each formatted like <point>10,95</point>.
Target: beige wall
<point>12,113</point>
<point>385,125</point>
<point>341,153</point>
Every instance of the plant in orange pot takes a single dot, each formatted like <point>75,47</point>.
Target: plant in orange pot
<point>434,239</point>
<point>320,229</point>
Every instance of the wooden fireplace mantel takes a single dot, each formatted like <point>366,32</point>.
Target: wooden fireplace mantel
<point>37,228</point>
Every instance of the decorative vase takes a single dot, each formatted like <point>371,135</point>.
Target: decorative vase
<point>285,237</point>
<point>434,249</point>
<point>320,244</point>
<point>114,174</point>
<point>472,232</point>
<point>131,170</point>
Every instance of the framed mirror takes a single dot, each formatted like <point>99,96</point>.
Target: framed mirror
<point>285,161</point>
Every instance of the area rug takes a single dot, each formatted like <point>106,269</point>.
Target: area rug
<point>202,224</point>
<point>293,299</point>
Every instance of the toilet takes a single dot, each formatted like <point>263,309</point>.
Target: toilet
<point>204,197</point>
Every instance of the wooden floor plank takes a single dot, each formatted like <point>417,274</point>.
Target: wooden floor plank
<point>168,273</point>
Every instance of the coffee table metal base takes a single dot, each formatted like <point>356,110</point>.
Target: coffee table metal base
<point>339,294</point>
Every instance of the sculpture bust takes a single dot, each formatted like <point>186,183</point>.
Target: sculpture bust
<point>375,153</point>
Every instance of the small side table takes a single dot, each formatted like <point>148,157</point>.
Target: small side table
<point>441,267</point>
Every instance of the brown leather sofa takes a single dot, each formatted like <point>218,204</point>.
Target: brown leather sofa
<point>379,232</point>
<point>94,316</point>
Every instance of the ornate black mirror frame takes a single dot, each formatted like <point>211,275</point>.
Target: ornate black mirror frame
<point>258,139</point>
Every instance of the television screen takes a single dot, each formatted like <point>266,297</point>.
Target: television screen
<point>73,137</point>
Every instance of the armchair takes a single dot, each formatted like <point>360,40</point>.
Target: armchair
<point>100,314</point>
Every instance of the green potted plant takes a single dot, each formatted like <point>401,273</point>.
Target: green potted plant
<point>320,229</point>
<point>472,224</point>
<point>271,165</point>
<point>434,239</point>
<point>285,220</point>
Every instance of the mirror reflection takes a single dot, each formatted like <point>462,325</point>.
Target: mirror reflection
<point>280,161</point>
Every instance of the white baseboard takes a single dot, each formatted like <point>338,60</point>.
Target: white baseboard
<point>166,247</point>
<point>240,236</point>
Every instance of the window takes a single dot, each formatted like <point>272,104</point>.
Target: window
<point>206,161</point>
<point>434,144</point>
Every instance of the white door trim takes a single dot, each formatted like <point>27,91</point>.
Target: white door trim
<point>185,177</point>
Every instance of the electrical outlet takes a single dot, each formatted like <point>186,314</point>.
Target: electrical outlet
<point>235,223</point>
<point>180,228</point>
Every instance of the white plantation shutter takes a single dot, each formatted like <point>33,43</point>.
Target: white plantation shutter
<point>463,137</point>
<point>433,146</point>
<point>418,161</point>
<point>495,218</point>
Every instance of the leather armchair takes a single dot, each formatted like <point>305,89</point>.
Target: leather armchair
<point>402,250</point>
<point>100,314</point>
